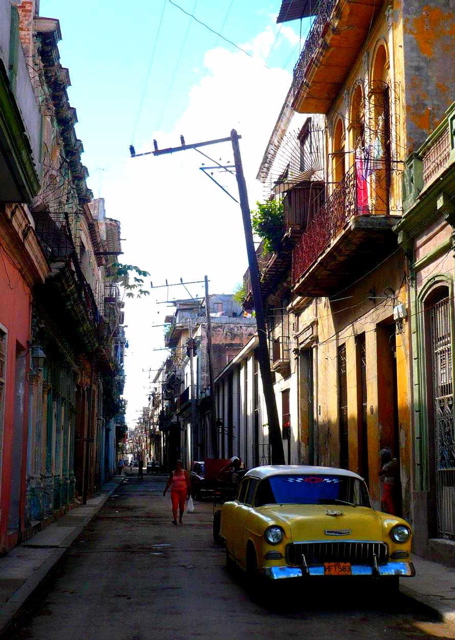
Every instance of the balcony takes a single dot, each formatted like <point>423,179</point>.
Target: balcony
<point>281,360</point>
<point>349,235</point>
<point>183,399</point>
<point>54,235</point>
<point>436,158</point>
<point>338,32</point>
<point>300,205</point>
<point>111,293</point>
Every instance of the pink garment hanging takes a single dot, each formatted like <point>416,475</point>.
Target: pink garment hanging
<point>361,184</point>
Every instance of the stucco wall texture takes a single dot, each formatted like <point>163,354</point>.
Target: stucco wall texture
<point>428,35</point>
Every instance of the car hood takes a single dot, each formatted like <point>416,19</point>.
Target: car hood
<point>325,522</point>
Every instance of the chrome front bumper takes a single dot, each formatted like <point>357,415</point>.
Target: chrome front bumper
<point>404,569</point>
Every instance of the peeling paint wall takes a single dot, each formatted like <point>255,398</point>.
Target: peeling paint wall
<point>429,70</point>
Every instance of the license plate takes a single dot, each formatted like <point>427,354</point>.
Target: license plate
<point>337,569</point>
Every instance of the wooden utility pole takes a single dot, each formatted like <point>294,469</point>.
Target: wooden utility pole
<point>263,350</point>
<point>213,429</point>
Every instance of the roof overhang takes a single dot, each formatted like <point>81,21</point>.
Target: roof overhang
<point>296,10</point>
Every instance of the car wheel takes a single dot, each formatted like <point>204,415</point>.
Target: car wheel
<point>217,539</point>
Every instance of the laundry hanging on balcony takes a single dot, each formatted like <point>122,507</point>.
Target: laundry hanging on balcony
<point>361,174</point>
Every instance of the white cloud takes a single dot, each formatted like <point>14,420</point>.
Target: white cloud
<point>177,222</point>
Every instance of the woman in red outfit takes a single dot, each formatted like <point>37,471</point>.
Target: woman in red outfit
<point>179,482</point>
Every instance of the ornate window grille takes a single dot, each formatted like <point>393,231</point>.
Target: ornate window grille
<point>443,415</point>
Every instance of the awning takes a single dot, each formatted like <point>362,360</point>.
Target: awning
<point>296,9</point>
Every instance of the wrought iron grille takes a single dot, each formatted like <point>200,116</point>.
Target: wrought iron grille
<point>314,44</point>
<point>441,339</point>
<point>436,159</point>
<point>316,553</point>
<point>53,234</point>
<point>363,191</point>
<point>263,258</point>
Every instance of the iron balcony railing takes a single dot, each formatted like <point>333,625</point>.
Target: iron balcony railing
<point>54,236</point>
<point>362,192</point>
<point>262,258</point>
<point>437,157</point>
<point>314,44</point>
<point>111,293</point>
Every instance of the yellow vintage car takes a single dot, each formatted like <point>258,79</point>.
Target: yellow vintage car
<point>296,521</point>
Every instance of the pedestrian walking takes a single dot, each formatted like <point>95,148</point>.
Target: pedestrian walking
<point>179,483</point>
<point>120,465</point>
<point>140,460</point>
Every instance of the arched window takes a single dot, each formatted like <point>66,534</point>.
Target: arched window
<point>339,148</point>
<point>380,131</point>
<point>357,119</point>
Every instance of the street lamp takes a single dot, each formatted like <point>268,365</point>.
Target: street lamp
<point>38,358</point>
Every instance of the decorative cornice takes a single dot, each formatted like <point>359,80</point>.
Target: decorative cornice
<point>16,142</point>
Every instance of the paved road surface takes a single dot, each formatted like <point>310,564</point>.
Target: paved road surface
<point>133,575</point>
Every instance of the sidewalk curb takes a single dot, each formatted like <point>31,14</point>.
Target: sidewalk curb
<point>13,606</point>
<point>445,613</point>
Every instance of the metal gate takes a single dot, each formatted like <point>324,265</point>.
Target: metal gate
<point>441,348</point>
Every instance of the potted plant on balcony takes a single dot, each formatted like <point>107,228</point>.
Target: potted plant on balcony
<point>267,221</point>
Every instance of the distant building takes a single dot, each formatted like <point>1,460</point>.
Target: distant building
<point>189,432</point>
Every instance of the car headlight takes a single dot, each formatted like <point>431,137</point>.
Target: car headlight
<point>400,533</point>
<point>274,535</point>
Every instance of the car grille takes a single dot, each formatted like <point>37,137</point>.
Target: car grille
<point>317,553</point>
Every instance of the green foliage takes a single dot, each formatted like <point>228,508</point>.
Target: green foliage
<point>133,284</point>
<point>239,294</point>
<point>267,222</point>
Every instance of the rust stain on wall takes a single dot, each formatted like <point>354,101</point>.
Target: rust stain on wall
<point>421,119</point>
<point>432,26</point>
<point>442,87</point>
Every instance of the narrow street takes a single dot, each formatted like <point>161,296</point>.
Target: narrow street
<point>132,575</point>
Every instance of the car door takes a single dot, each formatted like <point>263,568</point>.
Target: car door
<point>243,512</point>
<point>230,511</point>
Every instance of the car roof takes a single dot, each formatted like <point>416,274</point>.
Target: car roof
<point>298,469</point>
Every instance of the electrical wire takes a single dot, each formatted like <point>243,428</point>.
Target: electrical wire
<point>177,65</point>
<point>224,21</point>
<point>152,59</point>
<point>220,35</point>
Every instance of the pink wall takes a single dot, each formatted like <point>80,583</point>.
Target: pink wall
<point>15,319</point>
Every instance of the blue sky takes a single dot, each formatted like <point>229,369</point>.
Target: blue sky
<point>146,70</point>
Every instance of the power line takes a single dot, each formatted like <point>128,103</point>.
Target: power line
<point>177,65</point>
<point>217,33</point>
<point>224,21</point>
<point>144,91</point>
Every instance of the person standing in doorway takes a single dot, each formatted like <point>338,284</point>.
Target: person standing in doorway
<point>179,483</point>
<point>389,481</point>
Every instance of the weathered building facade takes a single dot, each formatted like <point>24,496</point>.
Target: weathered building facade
<point>60,334</point>
<point>335,285</point>
<point>426,235</point>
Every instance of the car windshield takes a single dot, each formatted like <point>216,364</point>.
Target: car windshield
<point>312,489</point>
